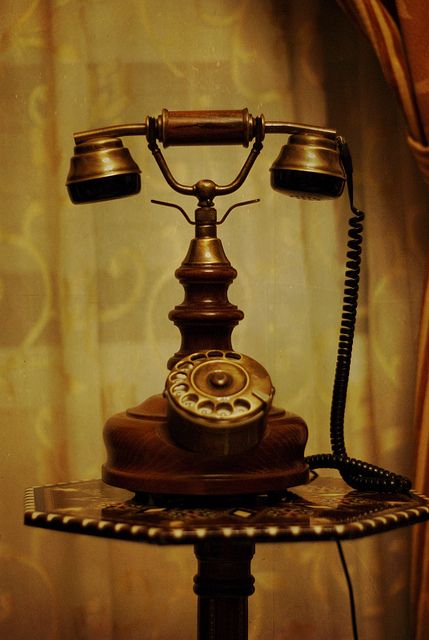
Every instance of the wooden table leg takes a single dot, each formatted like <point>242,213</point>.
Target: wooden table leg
<point>223,584</point>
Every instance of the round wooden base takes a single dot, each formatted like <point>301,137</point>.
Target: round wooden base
<point>142,457</point>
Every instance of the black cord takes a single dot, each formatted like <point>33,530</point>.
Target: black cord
<point>359,475</point>
<point>350,590</point>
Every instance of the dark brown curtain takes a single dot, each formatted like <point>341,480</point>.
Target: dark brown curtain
<point>398,31</point>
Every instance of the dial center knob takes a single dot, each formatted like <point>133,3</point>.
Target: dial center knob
<point>220,379</point>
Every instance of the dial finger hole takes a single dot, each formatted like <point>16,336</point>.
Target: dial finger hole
<point>185,366</point>
<point>189,400</point>
<point>179,390</point>
<point>177,376</point>
<point>198,356</point>
<point>241,406</point>
<point>224,410</point>
<point>206,408</point>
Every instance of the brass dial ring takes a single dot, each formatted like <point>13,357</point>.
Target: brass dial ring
<point>218,401</point>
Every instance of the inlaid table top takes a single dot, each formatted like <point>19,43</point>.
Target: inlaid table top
<point>324,509</point>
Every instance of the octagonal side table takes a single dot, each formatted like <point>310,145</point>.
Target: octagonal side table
<point>223,535</point>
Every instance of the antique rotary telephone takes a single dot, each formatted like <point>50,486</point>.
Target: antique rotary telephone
<point>214,430</point>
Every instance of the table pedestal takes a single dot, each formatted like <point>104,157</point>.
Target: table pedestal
<point>224,536</point>
<point>223,584</point>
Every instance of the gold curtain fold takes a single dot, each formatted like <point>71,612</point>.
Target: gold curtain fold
<point>398,32</point>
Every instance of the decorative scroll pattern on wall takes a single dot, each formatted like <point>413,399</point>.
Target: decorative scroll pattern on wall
<point>85,292</point>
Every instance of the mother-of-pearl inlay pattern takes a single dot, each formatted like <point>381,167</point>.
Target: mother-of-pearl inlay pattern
<point>325,509</point>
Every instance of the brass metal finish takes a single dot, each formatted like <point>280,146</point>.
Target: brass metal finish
<point>295,127</point>
<point>203,127</point>
<point>218,402</point>
<point>310,152</point>
<point>200,128</point>
<point>218,378</point>
<point>205,251</point>
<point>102,169</point>
<point>205,215</point>
<point>309,166</point>
<point>142,457</point>
<point>115,130</point>
<point>206,190</point>
<point>205,318</point>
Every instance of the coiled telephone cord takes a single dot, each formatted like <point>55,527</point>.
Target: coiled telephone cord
<point>358,474</point>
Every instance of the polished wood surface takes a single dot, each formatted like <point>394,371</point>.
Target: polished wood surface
<point>142,457</point>
<point>145,455</point>
<point>223,584</point>
<point>205,318</point>
<point>205,127</point>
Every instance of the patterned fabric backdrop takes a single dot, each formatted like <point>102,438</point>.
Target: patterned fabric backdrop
<point>397,30</point>
<point>85,292</point>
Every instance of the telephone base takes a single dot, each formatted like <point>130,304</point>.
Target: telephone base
<point>141,457</point>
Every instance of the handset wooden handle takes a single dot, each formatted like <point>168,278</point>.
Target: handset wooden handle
<point>205,127</point>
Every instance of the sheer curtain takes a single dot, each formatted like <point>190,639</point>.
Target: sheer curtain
<point>85,292</point>
<point>397,30</point>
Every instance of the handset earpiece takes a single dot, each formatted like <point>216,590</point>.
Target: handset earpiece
<point>102,169</point>
<point>309,166</point>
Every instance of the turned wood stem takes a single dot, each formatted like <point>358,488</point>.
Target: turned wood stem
<point>223,584</point>
<point>205,318</point>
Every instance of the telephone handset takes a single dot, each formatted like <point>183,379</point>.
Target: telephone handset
<point>214,429</point>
